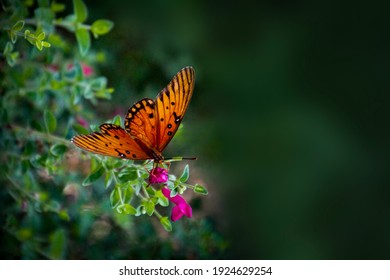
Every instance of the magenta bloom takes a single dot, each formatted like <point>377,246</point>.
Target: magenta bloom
<point>181,208</point>
<point>87,70</point>
<point>158,175</point>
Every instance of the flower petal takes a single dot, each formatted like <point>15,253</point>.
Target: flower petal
<point>176,213</point>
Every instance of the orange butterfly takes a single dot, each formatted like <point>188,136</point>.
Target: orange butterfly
<point>149,124</point>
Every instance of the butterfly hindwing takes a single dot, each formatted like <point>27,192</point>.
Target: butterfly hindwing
<point>112,140</point>
<point>171,105</point>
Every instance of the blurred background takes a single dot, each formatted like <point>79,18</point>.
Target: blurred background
<point>289,121</point>
<point>289,118</point>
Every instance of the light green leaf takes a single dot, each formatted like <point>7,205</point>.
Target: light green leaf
<point>166,223</point>
<point>200,189</point>
<point>185,175</point>
<point>41,36</point>
<point>39,45</point>
<point>117,120</point>
<point>80,10</point>
<point>149,207</point>
<point>101,27</point>
<point>46,44</point>
<point>50,121</point>
<point>57,7</point>
<point>83,40</point>
<point>161,199</point>
<point>94,176</point>
<point>127,209</point>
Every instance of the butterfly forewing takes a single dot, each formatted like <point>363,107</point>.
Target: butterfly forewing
<point>171,105</point>
<point>140,122</point>
<point>112,141</point>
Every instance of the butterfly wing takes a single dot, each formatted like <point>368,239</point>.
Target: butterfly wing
<point>140,122</point>
<point>171,105</point>
<point>114,141</point>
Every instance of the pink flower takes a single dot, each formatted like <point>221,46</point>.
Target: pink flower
<point>82,121</point>
<point>181,208</point>
<point>87,70</point>
<point>158,175</point>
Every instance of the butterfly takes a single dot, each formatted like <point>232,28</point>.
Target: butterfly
<point>149,124</point>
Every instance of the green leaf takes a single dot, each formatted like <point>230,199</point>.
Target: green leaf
<point>8,48</point>
<point>161,199</point>
<point>39,45</point>
<point>126,209</point>
<point>57,244</point>
<point>95,175</point>
<point>46,44</point>
<point>128,174</point>
<point>99,83</point>
<point>58,149</point>
<point>80,129</point>
<point>50,121</point>
<point>185,175</point>
<point>117,120</point>
<point>80,10</point>
<point>200,189</point>
<point>149,207</point>
<point>57,7</point>
<point>109,179</point>
<point>101,27</point>
<point>13,36</point>
<point>115,197</point>
<point>83,40</point>
<point>18,26</point>
<point>166,223</point>
<point>41,36</point>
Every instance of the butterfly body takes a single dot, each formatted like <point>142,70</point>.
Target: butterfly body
<point>149,124</point>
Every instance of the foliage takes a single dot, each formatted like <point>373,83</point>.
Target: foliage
<point>57,200</point>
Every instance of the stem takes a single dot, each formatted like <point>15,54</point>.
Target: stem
<point>42,135</point>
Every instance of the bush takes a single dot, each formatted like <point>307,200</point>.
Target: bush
<point>57,201</point>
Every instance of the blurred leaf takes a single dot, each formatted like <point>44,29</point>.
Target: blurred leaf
<point>185,175</point>
<point>41,36</point>
<point>80,129</point>
<point>18,26</point>
<point>101,27</point>
<point>50,121</point>
<point>94,176</point>
<point>99,83</point>
<point>83,40</point>
<point>57,244</point>
<point>39,45</point>
<point>8,48</point>
<point>58,149</point>
<point>80,10</point>
<point>200,189</point>
<point>57,7</point>
<point>166,223</point>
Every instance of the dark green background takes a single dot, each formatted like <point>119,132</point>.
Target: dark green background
<point>289,117</point>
